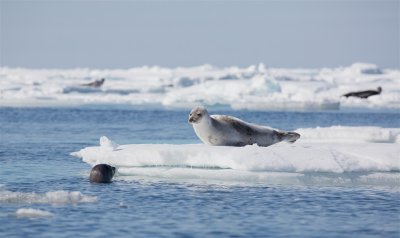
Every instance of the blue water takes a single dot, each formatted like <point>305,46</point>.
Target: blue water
<point>34,155</point>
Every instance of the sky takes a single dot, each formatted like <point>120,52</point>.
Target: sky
<point>125,34</point>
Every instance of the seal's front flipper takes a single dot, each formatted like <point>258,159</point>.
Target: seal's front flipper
<point>291,137</point>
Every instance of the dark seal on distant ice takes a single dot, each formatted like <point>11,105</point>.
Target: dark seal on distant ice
<point>95,84</point>
<point>363,94</point>
<point>102,173</point>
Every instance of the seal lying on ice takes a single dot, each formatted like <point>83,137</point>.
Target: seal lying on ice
<point>95,84</point>
<point>364,94</point>
<point>102,173</point>
<point>230,131</point>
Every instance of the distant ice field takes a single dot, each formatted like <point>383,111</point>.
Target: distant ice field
<point>257,87</point>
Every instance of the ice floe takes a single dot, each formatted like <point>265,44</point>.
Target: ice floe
<point>52,197</point>
<point>32,213</point>
<point>348,155</point>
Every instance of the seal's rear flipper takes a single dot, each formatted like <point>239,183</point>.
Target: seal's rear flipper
<point>291,137</point>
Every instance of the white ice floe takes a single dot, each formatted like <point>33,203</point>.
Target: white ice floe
<point>53,197</point>
<point>325,156</point>
<point>254,87</point>
<point>304,157</point>
<point>350,134</point>
<point>32,213</point>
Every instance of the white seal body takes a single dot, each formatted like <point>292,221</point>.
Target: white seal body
<point>230,131</point>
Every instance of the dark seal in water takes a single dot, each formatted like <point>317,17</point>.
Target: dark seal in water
<point>102,173</point>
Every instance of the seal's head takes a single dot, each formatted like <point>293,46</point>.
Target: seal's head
<point>102,173</point>
<point>197,114</point>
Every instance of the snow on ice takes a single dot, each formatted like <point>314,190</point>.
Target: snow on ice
<point>254,87</point>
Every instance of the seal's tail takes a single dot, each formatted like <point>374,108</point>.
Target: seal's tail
<point>291,137</point>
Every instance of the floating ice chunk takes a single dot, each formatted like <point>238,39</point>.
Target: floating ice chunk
<point>107,144</point>
<point>53,197</point>
<point>333,155</point>
<point>32,213</point>
<point>299,157</point>
<point>300,163</point>
<point>65,197</point>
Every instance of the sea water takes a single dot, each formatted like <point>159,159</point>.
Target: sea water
<point>45,192</point>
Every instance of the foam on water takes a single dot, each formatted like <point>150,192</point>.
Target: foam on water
<point>254,87</point>
<point>32,213</point>
<point>53,197</point>
<point>353,157</point>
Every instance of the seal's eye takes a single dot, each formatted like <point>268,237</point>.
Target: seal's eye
<point>198,114</point>
<point>190,114</point>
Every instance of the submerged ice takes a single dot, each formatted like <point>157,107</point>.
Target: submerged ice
<point>254,87</point>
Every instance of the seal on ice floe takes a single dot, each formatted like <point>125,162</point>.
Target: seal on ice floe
<point>364,94</point>
<point>102,173</point>
<point>95,84</point>
<point>230,131</point>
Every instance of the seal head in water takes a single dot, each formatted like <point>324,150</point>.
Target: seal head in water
<point>102,173</point>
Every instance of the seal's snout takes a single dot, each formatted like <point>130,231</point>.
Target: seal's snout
<point>196,115</point>
<point>191,118</point>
